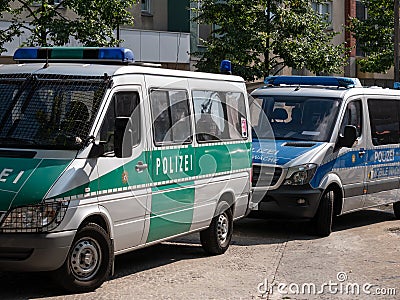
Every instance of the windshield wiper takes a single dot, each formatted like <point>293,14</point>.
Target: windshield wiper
<point>13,140</point>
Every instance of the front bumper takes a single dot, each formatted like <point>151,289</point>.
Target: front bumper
<point>34,251</point>
<point>284,201</point>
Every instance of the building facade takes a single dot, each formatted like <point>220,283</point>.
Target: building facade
<point>164,33</point>
<point>160,35</point>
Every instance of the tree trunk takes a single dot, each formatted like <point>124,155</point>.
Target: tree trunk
<point>267,45</point>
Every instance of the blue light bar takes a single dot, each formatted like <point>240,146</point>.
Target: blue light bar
<point>122,54</point>
<point>313,80</point>
<point>226,67</point>
<point>90,54</point>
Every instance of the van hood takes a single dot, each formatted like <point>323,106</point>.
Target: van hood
<point>26,181</point>
<point>281,152</point>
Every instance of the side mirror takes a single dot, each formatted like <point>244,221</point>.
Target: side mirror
<point>122,141</point>
<point>349,137</point>
<point>96,151</point>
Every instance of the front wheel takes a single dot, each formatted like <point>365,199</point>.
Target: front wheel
<point>396,209</point>
<point>216,238</point>
<point>89,260</point>
<point>323,218</point>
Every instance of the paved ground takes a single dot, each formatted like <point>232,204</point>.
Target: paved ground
<point>363,251</point>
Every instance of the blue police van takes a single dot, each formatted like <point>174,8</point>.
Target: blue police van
<point>324,146</point>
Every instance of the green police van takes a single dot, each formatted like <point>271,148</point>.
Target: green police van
<point>99,157</point>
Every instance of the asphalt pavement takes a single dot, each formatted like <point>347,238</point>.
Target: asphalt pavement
<point>268,259</point>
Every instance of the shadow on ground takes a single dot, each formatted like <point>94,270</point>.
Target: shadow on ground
<point>247,232</point>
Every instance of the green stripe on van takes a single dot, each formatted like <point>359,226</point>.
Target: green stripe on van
<point>173,164</point>
<point>171,213</point>
<point>222,158</point>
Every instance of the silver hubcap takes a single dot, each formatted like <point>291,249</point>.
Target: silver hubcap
<point>85,259</point>
<point>222,228</point>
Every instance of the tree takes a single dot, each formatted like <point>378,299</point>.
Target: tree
<point>374,36</point>
<point>264,36</point>
<point>93,22</point>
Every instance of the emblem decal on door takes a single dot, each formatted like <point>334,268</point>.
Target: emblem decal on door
<point>125,177</point>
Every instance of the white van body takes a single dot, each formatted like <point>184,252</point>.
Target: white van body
<point>302,166</point>
<point>149,154</point>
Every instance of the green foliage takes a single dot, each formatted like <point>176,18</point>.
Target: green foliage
<point>92,22</point>
<point>293,36</point>
<point>375,36</point>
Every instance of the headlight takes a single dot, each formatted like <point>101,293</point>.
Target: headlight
<point>300,175</point>
<point>35,218</point>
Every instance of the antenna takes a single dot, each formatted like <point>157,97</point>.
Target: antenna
<point>46,65</point>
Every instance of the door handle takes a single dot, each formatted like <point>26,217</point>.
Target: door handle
<point>140,167</point>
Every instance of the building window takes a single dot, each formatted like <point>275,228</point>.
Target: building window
<point>203,30</point>
<point>146,8</point>
<point>51,2</point>
<point>361,14</point>
<point>324,9</point>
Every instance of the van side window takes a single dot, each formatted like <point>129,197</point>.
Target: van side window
<point>170,117</point>
<point>123,104</point>
<point>219,116</point>
<point>385,121</point>
<point>353,116</point>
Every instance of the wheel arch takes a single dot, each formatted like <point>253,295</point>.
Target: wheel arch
<point>332,182</point>
<point>101,218</point>
<point>229,198</point>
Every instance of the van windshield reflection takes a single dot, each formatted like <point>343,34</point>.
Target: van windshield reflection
<point>294,118</point>
<point>48,111</point>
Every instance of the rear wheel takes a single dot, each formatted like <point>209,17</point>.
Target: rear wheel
<point>216,238</point>
<point>324,216</point>
<point>396,209</point>
<point>89,260</point>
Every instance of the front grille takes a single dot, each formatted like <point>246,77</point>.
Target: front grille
<point>266,175</point>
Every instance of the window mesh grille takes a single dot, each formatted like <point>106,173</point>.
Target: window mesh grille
<point>49,111</point>
<point>34,218</point>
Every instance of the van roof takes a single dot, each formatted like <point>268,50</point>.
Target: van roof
<point>111,70</point>
<point>317,91</point>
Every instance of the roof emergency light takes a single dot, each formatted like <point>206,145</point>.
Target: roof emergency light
<point>81,54</point>
<point>226,67</point>
<point>313,80</point>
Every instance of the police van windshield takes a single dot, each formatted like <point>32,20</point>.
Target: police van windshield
<point>294,118</point>
<point>48,111</point>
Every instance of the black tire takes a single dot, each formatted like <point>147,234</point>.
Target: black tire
<point>323,218</point>
<point>92,244</point>
<point>216,238</point>
<point>396,209</point>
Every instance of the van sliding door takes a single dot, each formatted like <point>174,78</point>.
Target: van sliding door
<point>384,157</point>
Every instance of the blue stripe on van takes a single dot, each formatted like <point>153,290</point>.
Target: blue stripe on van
<point>373,157</point>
